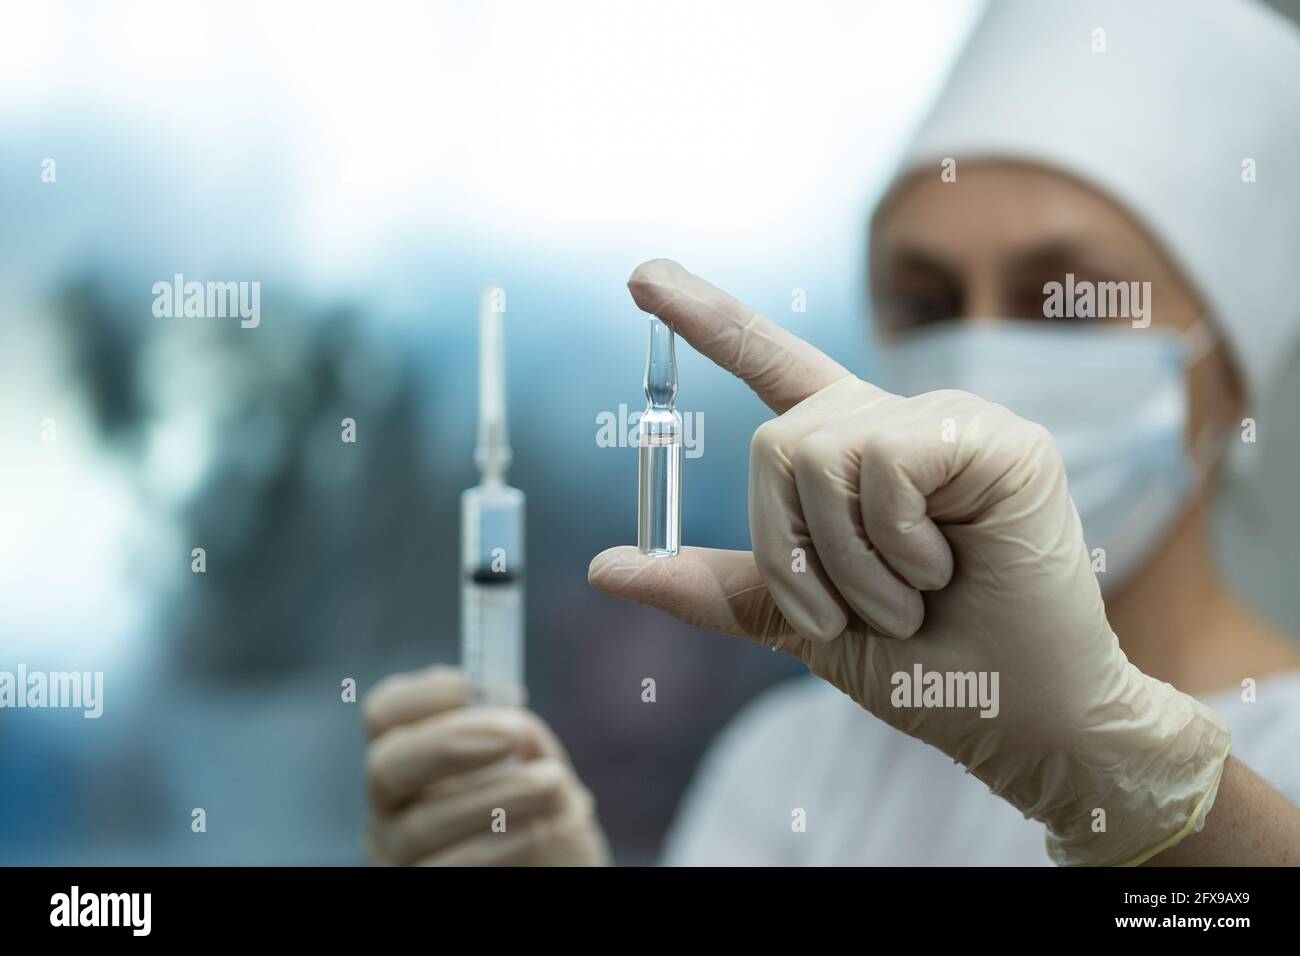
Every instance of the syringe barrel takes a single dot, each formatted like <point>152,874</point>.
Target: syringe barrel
<point>492,593</point>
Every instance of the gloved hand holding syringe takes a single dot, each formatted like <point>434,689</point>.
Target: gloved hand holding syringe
<point>460,772</point>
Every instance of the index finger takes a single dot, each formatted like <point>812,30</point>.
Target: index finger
<point>779,366</point>
<point>404,698</point>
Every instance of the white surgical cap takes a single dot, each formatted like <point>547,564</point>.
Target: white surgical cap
<point>1184,96</point>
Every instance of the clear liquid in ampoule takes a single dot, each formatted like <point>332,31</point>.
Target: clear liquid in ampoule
<point>659,437</point>
<point>659,520</point>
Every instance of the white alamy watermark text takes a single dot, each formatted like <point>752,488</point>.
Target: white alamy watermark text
<point>76,908</point>
<point>1083,299</point>
<point>619,430</point>
<point>209,300</point>
<point>958,689</point>
<point>73,690</point>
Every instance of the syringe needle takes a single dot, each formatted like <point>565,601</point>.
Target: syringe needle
<point>492,453</point>
<point>659,437</point>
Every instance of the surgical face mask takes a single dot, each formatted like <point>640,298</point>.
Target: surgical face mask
<point>1115,401</point>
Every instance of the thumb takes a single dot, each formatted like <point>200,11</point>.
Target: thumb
<point>704,587</point>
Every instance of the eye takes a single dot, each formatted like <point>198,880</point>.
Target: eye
<point>917,294</point>
<point>1025,281</point>
<point>909,308</point>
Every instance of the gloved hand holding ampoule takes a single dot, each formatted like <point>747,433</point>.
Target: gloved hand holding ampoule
<point>890,532</point>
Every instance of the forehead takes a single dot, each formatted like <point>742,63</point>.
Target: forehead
<point>998,210</point>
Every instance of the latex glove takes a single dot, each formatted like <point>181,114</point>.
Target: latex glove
<point>438,772</point>
<point>955,556</point>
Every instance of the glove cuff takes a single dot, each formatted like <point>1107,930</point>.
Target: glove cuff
<point>1154,776</point>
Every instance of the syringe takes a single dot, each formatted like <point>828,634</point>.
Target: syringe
<point>492,538</point>
<point>659,437</point>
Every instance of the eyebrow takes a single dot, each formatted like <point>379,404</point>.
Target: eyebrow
<point>1060,255</point>
<point>918,260</point>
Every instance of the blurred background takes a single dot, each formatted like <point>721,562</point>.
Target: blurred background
<point>374,166</point>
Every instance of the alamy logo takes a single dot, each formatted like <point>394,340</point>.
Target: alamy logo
<point>102,909</point>
<point>1098,300</point>
<point>75,690</point>
<point>960,689</point>
<point>210,300</point>
<point>620,430</point>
